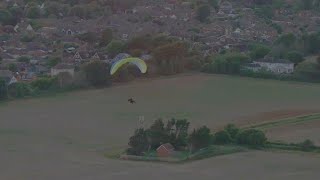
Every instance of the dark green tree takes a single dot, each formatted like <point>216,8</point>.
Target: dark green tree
<point>232,130</point>
<point>203,12</point>
<point>222,137</point>
<point>106,37</point>
<point>3,90</point>
<point>157,134</point>
<point>259,51</point>
<point>97,73</point>
<point>252,137</point>
<point>115,47</point>
<point>200,138</point>
<point>295,57</point>
<point>138,143</point>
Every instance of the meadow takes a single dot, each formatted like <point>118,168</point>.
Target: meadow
<point>65,136</point>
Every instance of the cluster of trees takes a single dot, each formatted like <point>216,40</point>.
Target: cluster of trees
<point>228,63</point>
<point>93,74</point>
<point>176,132</point>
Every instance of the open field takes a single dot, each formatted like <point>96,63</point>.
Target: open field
<point>64,137</point>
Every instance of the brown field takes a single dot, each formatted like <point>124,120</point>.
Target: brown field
<point>63,137</point>
<point>296,133</point>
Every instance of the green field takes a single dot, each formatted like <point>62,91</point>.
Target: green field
<point>70,133</point>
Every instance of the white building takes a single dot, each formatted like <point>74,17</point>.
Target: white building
<point>62,68</point>
<point>276,66</point>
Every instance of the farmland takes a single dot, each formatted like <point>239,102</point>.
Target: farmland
<point>65,136</point>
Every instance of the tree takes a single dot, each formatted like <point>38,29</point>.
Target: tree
<point>177,130</point>
<point>89,37</point>
<point>157,134</point>
<point>222,137</point>
<point>19,90</point>
<point>214,4</point>
<point>295,57</point>
<point>13,67</point>
<point>97,73</point>
<point>53,61</point>
<point>200,138</point>
<point>6,18</point>
<point>64,79</point>
<point>33,12</point>
<point>106,37</point>
<point>232,130</point>
<point>252,137</point>
<point>171,58</point>
<point>44,83</point>
<point>287,40</point>
<point>24,59</point>
<point>3,90</point>
<point>203,12</point>
<point>259,51</point>
<point>138,142</point>
<point>115,47</point>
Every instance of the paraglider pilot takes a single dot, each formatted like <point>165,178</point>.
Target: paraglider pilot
<point>131,101</point>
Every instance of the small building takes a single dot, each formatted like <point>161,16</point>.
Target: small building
<point>165,150</point>
<point>276,66</point>
<point>61,68</point>
<point>8,77</point>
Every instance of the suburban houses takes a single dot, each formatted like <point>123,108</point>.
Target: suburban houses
<point>276,66</point>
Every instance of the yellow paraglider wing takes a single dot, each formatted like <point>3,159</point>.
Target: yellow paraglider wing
<point>136,61</point>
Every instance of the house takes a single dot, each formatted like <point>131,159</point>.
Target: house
<point>62,68</point>
<point>252,67</point>
<point>276,66</point>
<point>30,28</point>
<point>77,57</point>
<point>165,150</point>
<point>95,57</point>
<point>8,77</point>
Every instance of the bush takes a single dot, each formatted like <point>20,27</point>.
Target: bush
<point>307,145</point>
<point>136,52</point>
<point>222,137</point>
<point>20,89</point>
<point>252,137</point>
<point>44,84</point>
<point>203,12</point>
<point>138,143</point>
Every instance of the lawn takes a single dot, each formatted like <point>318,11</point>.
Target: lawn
<point>70,132</point>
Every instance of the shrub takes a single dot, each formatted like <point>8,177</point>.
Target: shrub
<point>222,137</point>
<point>307,145</point>
<point>252,137</point>
<point>27,37</point>
<point>138,143</point>
<point>136,52</point>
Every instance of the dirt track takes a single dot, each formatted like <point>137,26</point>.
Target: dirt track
<point>62,137</point>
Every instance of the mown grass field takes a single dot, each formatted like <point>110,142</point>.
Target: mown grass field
<point>66,136</point>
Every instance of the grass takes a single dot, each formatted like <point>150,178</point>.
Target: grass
<point>287,121</point>
<point>217,150</point>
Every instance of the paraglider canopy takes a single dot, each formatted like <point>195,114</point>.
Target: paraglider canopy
<point>136,61</point>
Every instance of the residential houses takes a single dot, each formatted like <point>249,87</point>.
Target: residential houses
<point>165,150</point>
<point>276,66</point>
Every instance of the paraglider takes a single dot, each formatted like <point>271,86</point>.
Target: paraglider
<point>131,101</point>
<point>136,61</point>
